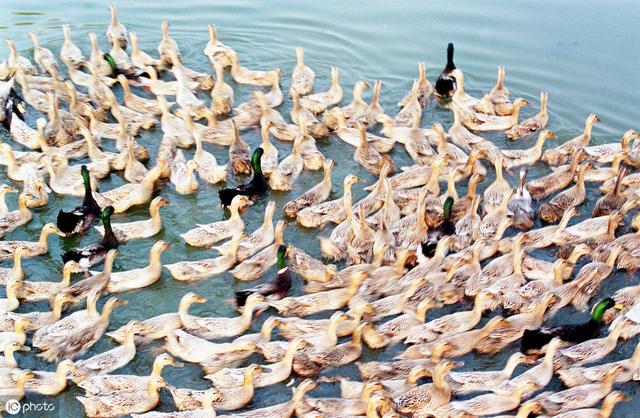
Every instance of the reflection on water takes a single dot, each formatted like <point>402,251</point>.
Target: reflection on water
<point>584,54</point>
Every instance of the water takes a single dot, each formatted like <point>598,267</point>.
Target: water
<point>584,54</point>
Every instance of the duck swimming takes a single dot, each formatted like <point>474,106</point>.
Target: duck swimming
<point>573,333</point>
<point>446,84</point>
<point>95,253</point>
<point>256,187</point>
<point>80,219</point>
<point>275,289</point>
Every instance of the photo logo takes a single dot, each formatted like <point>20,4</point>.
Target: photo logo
<point>12,406</point>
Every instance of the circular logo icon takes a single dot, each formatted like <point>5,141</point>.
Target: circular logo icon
<point>12,406</point>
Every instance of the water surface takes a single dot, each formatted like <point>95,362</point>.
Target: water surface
<point>584,54</point>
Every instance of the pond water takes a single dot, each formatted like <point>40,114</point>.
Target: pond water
<point>585,54</point>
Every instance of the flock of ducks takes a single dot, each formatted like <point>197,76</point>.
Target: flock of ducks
<point>409,246</point>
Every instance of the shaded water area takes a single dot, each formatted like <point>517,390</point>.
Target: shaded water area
<point>585,54</point>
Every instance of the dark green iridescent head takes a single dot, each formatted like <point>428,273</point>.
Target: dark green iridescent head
<point>448,205</point>
<point>282,257</point>
<point>111,62</point>
<point>256,159</point>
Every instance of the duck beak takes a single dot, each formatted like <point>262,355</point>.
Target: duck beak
<point>618,306</point>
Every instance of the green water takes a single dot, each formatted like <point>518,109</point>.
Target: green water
<point>584,54</point>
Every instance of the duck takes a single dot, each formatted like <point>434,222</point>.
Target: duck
<point>520,204</point>
<point>258,239</point>
<point>109,360</point>
<point>338,407</point>
<point>80,219</point>
<point>553,210</point>
<point>613,200</point>
<point>107,384</point>
<point>42,56</point>
<point>424,90</point>
<point>239,154</point>
<point>494,193</point>
<point>273,290</point>
<point>254,267</point>
<point>590,350</point>
<point>496,102</point>
<point>330,211</point>
<point>202,269</point>
<point>505,335</point>
<point>220,327</point>
<point>15,60</point>
<point>15,219</point>
<point>243,75</point>
<point>64,179</point>
<point>16,335</point>
<point>95,253</point>
<point>222,94</point>
<point>444,229</point>
<point>446,83</point>
<point>123,281</point>
<point>398,328</point>
<point>605,410</point>
<point>576,376</point>
<point>36,193</point>
<point>429,396</point>
<point>16,170</point>
<point>282,409</point>
<point>34,291</point>
<point>8,360</point>
<point>131,194</point>
<point>580,396</point>
<point>368,157</point>
<point>205,235</point>
<point>69,51</point>
<point>51,383</point>
<point>491,403</point>
<point>270,375</point>
<point>308,267</point>
<point>288,170</point>
<point>116,32</point>
<point>77,340</point>
<point>16,272</point>
<point>411,113</point>
<point>31,249</point>
<point>11,302</point>
<point>319,102</point>
<point>124,403</point>
<point>565,152</point>
<point>557,180</point>
<point>16,391</point>
<point>481,122</point>
<point>317,302</point>
<point>605,153</point>
<point>216,51</point>
<point>314,196</point>
<point>302,77</point>
<point>490,224</point>
<point>354,109</point>
<point>128,231</point>
<point>167,44</point>
<point>302,117</point>
<point>138,103</point>
<point>515,158</point>
<point>532,124</point>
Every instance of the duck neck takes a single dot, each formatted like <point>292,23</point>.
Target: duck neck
<point>439,379</point>
<point>10,358</point>
<point>335,82</point>
<point>107,310</point>
<point>16,270</point>
<point>155,259</point>
<point>158,365</point>
<point>588,127</point>
<point>543,104</point>
<point>511,365</point>
<point>42,241</point>
<point>331,335</point>
<point>598,312</point>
